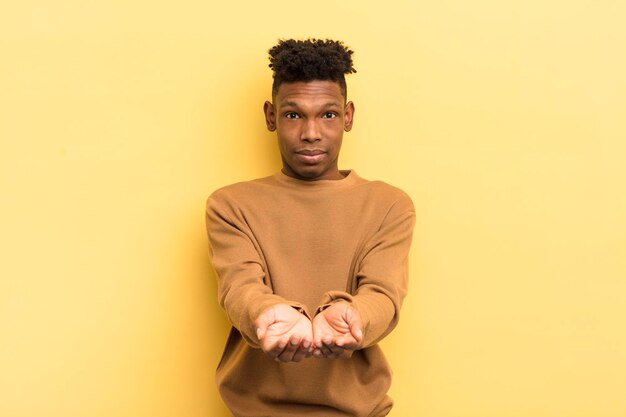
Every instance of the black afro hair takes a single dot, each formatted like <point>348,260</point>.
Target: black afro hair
<point>312,59</point>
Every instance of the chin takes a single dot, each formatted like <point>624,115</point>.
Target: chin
<point>309,173</point>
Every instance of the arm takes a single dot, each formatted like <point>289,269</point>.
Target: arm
<point>240,269</point>
<point>382,275</point>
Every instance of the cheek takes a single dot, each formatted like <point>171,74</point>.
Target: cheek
<point>287,132</point>
<point>334,134</point>
<point>285,141</point>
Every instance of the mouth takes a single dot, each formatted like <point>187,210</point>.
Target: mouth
<point>310,151</point>
<point>310,156</point>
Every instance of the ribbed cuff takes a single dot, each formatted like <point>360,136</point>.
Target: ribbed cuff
<point>332,297</point>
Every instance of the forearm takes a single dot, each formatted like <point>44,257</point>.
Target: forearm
<point>243,287</point>
<point>379,285</point>
<point>244,303</point>
<point>379,314</point>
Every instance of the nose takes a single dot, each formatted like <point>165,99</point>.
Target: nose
<point>310,131</point>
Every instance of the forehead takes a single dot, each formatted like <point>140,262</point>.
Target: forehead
<point>309,92</point>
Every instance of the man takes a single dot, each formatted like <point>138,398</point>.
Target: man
<point>311,262</point>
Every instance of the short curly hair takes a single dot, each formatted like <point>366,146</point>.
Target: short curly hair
<point>311,59</point>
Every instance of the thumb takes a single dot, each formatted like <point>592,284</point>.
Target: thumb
<point>355,324</point>
<point>265,319</point>
<point>316,329</point>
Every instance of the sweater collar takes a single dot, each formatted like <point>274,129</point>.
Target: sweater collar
<point>350,178</point>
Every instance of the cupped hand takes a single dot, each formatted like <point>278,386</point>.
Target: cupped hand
<point>337,331</point>
<point>284,333</point>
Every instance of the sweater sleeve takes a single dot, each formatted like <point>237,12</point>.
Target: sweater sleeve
<point>382,275</point>
<point>242,286</point>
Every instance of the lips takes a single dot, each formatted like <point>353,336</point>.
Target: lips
<point>310,156</point>
<point>310,152</point>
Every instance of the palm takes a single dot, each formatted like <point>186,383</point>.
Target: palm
<point>285,327</point>
<point>337,331</point>
<point>331,323</point>
<point>284,333</point>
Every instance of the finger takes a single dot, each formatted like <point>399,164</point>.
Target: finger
<point>307,343</point>
<point>317,334</point>
<point>325,352</point>
<point>302,352</point>
<point>275,350</point>
<point>261,328</point>
<point>268,344</point>
<point>335,351</point>
<point>321,351</point>
<point>307,347</point>
<point>325,347</point>
<point>317,337</point>
<point>290,349</point>
<point>262,322</point>
<point>347,342</point>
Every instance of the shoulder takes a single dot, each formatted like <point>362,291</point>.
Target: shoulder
<point>387,194</point>
<point>227,202</point>
<point>240,190</point>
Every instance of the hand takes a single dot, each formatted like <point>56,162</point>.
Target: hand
<point>285,334</point>
<point>337,331</point>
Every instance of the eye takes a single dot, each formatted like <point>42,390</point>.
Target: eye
<point>329,115</point>
<point>292,115</point>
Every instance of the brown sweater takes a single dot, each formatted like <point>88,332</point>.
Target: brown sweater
<point>308,243</point>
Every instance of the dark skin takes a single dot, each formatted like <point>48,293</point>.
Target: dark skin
<point>309,118</point>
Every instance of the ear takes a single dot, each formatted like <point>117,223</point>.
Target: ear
<point>270,116</point>
<point>348,116</point>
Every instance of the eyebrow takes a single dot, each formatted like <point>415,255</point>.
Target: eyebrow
<point>325,105</point>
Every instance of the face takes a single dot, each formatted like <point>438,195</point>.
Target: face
<point>309,119</point>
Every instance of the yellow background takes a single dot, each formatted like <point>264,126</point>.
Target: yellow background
<point>504,120</point>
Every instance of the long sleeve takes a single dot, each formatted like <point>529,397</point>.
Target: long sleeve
<point>243,290</point>
<point>282,240</point>
<point>382,275</point>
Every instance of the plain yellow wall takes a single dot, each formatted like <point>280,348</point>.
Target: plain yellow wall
<point>504,120</point>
